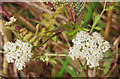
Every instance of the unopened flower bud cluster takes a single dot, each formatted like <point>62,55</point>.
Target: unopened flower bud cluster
<point>44,57</point>
<point>92,47</point>
<point>12,20</point>
<point>18,53</point>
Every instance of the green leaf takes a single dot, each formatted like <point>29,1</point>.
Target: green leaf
<point>51,22</point>
<point>28,36</point>
<point>83,73</point>
<point>89,14</point>
<point>37,29</point>
<point>96,17</point>
<point>62,70</point>
<point>110,59</point>
<point>107,66</point>
<point>71,32</point>
<point>46,23</point>
<point>42,32</point>
<point>36,42</point>
<point>32,39</point>
<point>110,8</point>
<point>97,28</point>
<point>57,12</point>
<point>70,61</point>
<point>66,67</point>
<point>73,36</point>
<point>47,16</point>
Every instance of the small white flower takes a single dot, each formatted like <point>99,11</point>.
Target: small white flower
<point>18,53</point>
<point>12,20</point>
<point>92,47</point>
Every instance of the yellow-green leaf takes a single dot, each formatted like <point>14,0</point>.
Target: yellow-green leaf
<point>37,29</point>
<point>47,16</point>
<point>36,42</point>
<point>28,36</point>
<point>33,39</point>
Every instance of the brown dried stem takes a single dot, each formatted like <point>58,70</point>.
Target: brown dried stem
<point>108,22</point>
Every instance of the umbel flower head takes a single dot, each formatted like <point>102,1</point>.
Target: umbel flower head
<point>92,47</point>
<point>18,53</point>
<point>12,20</point>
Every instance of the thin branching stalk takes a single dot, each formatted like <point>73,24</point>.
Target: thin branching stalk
<point>93,26</point>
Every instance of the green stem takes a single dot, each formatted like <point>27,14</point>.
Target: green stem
<point>93,26</point>
<point>50,38</point>
<point>66,12</point>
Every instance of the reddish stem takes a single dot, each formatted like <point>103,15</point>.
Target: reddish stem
<point>81,5</point>
<point>91,1</point>
<point>9,18</point>
<point>5,13</point>
<point>52,64</point>
<point>17,29</point>
<point>86,71</point>
<point>71,13</point>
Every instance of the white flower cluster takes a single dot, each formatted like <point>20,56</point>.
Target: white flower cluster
<point>44,57</point>
<point>12,20</point>
<point>92,47</point>
<point>18,53</point>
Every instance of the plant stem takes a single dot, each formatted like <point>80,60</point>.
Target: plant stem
<point>108,22</point>
<point>111,68</point>
<point>86,71</point>
<point>93,26</point>
<point>56,54</point>
<point>50,38</point>
<point>66,13</point>
<point>71,13</point>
